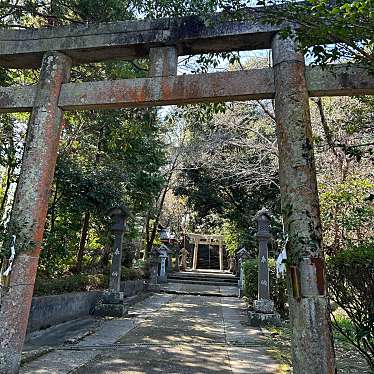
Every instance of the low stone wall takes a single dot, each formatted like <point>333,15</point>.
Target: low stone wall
<point>50,310</point>
<point>132,287</point>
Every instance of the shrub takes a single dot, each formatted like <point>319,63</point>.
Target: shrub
<point>81,282</point>
<point>351,286</point>
<point>131,273</point>
<point>278,287</point>
<point>71,283</point>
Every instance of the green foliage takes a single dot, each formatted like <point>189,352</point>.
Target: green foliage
<point>351,286</point>
<point>347,211</point>
<point>81,282</point>
<point>231,238</point>
<point>329,32</point>
<point>71,283</point>
<point>221,176</point>
<point>131,273</point>
<point>278,287</point>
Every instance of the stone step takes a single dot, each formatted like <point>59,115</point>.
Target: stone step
<point>217,293</point>
<point>206,274</point>
<point>203,282</point>
<point>204,279</point>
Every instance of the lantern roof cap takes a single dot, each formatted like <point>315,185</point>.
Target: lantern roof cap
<point>120,210</point>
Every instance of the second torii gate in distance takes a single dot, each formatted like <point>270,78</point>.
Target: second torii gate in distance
<point>207,239</point>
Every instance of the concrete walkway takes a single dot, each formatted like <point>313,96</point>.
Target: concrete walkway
<point>166,333</point>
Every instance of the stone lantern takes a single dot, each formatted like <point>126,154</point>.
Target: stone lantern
<point>162,278</point>
<point>112,301</point>
<point>263,307</point>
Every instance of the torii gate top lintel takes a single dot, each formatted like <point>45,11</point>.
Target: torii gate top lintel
<point>206,237</point>
<point>97,42</point>
<point>163,41</point>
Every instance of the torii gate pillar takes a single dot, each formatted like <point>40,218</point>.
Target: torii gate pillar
<point>312,344</point>
<point>195,253</point>
<point>30,208</point>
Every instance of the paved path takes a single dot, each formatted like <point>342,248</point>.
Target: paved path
<point>197,289</point>
<point>166,334</point>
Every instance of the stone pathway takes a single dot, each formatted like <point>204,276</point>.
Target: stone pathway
<point>197,289</point>
<point>166,333</point>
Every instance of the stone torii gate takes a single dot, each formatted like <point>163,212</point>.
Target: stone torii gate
<point>289,83</point>
<point>207,240</point>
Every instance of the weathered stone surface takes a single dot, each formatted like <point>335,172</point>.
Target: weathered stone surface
<point>30,207</point>
<point>255,84</point>
<point>111,297</point>
<point>263,236</point>
<point>258,319</point>
<point>264,306</point>
<point>111,310</point>
<point>53,309</point>
<point>312,344</point>
<point>117,229</point>
<point>181,89</point>
<point>132,39</point>
<point>132,287</point>
<point>163,62</point>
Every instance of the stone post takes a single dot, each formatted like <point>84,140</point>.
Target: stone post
<point>184,254</point>
<point>195,254</point>
<point>112,301</point>
<point>153,270</point>
<point>163,276</point>
<point>263,235</point>
<point>232,264</point>
<point>312,343</point>
<point>220,256</point>
<point>117,229</point>
<point>30,207</point>
<point>263,312</point>
<point>242,255</point>
<point>170,265</point>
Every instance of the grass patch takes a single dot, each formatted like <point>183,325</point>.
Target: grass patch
<point>279,342</point>
<point>348,360</point>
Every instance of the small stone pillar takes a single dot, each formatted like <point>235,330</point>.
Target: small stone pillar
<point>153,270</point>
<point>195,254</point>
<point>184,255</point>
<point>232,264</point>
<point>176,263</point>
<point>242,255</point>
<point>170,261</point>
<point>112,301</point>
<point>220,256</point>
<point>163,278</point>
<point>263,307</point>
<point>263,235</point>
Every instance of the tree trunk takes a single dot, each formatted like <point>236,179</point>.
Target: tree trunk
<point>150,238</point>
<point>83,241</point>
